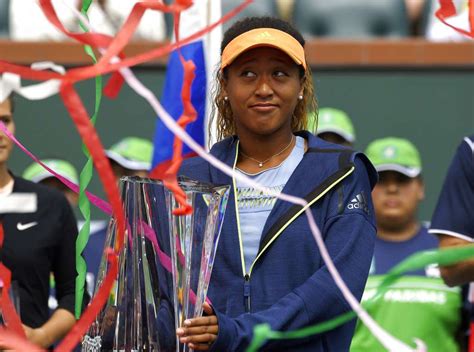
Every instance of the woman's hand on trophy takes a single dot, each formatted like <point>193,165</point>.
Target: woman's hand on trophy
<point>199,333</point>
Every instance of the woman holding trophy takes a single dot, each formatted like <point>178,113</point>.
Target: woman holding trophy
<point>268,268</point>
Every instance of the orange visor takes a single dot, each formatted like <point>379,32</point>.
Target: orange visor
<point>263,37</point>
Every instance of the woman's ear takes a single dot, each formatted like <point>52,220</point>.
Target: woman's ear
<point>301,93</point>
<point>302,83</point>
<point>224,86</point>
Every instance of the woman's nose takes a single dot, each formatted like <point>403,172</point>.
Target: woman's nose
<point>264,87</point>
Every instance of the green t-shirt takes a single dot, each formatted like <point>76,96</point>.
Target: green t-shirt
<point>414,307</point>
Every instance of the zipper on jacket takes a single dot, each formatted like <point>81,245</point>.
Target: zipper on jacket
<point>298,214</point>
<point>247,276</point>
<point>247,293</point>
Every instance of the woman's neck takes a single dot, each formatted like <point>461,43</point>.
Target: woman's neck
<point>260,153</point>
<point>263,147</point>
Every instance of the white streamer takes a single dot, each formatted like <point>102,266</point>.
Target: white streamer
<point>11,82</point>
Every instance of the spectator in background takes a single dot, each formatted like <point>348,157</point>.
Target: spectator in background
<point>419,305</point>
<point>36,173</point>
<point>333,125</point>
<point>453,219</point>
<point>37,243</point>
<point>129,157</point>
<point>28,23</point>
<point>414,10</point>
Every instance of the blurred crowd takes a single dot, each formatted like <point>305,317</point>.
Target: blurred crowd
<point>23,20</point>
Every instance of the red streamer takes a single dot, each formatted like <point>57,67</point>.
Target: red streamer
<point>189,115</point>
<point>447,9</point>
<point>88,134</point>
<point>86,130</point>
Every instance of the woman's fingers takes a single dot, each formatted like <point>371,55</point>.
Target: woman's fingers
<point>199,347</point>
<point>199,330</point>
<point>207,309</point>
<point>199,333</point>
<point>199,339</point>
<point>209,320</point>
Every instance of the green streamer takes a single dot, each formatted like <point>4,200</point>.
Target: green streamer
<point>443,257</point>
<point>84,180</point>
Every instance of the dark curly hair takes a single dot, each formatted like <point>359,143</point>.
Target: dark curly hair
<point>222,111</point>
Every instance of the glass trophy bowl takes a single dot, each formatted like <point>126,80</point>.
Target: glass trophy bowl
<point>164,266</point>
<point>193,240</point>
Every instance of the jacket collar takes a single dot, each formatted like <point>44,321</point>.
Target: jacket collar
<point>226,150</point>
<point>315,167</point>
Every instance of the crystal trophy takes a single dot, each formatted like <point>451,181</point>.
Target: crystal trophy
<point>148,300</point>
<point>193,240</point>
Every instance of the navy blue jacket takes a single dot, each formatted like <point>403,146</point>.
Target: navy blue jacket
<point>289,286</point>
<point>45,246</point>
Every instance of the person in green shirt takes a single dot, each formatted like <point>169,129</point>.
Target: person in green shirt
<point>419,305</point>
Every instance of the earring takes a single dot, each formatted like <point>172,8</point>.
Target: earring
<point>300,97</point>
<point>226,98</point>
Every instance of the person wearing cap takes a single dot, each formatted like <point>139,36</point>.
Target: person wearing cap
<point>131,156</point>
<point>332,125</point>
<point>268,268</point>
<point>420,305</point>
<point>453,219</point>
<point>38,174</point>
<point>40,236</point>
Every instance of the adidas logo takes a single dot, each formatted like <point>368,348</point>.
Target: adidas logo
<point>359,202</point>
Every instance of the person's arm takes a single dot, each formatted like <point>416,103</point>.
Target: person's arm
<point>453,219</point>
<point>64,270</point>
<point>53,330</point>
<point>349,237</point>
<point>460,273</point>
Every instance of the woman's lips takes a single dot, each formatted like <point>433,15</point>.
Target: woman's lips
<point>263,107</point>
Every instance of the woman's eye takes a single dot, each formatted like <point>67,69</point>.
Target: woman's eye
<point>248,74</point>
<point>279,74</point>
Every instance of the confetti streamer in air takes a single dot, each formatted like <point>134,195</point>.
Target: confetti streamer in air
<point>447,10</point>
<point>84,179</point>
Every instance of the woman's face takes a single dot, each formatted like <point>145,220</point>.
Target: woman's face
<point>6,116</point>
<point>263,85</point>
